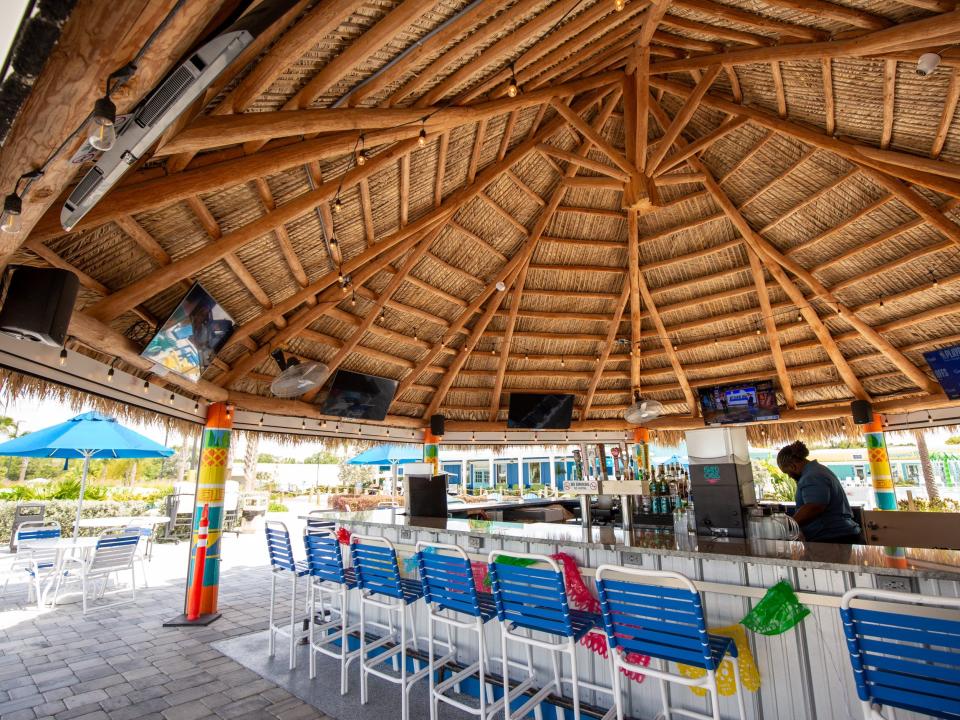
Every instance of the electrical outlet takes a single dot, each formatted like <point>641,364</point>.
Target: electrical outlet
<point>632,558</point>
<point>894,583</point>
<point>406,534</point>
<point>475,542</point>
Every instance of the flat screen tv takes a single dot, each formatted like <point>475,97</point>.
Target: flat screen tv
<point>360,396</point>
<point>739,403</point>
<point>540,412</point>
<point>193,334</point>
<point>945,363</point>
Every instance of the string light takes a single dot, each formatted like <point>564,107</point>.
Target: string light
<point>513,89</point>
<point>63,357</point>
<point>146,387</point>
<point>196,407</point>
<point>473,437</point>
<point>422,138</point>
<point>172,398</point>
<point>619,5</point>
<point>353,299</point>
<point>361,154</point>
<point>303,424</point>
<point>562,363</point>
<point>337,204</point>
<point>799,316</point>
<point>260,421</point>
<point>333,242</point>
<point>110,375</point>
<point>881,302</point>
<point>102,133</point>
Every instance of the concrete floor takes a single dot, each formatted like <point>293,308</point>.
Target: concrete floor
<point>120,663</point>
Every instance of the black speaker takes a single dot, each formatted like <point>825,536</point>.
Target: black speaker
<point>862,412</point>
<point>437,423</point>
<point>38,304</point>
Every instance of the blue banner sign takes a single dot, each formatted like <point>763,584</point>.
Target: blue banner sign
<point>945,364</point>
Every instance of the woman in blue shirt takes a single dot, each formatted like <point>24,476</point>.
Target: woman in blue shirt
<point>823,511</point>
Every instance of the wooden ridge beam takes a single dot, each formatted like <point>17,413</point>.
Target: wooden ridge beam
<point>516,297</point>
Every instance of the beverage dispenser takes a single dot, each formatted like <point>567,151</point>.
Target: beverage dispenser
<point>721,480</point>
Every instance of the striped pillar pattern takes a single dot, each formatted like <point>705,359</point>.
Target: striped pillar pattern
<point>431,450</point>
<point>211,483</point>
<point>880,472</point>
<point>641,453</point>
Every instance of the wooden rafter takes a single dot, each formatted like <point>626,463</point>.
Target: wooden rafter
<point>283,239</point>
<point>770,327</point>
<point>633,284</point>
<point>829,110</point>
<point>778,88</point>
<point>700,144</point>
<point>889,92</point>
<point>681,119</point>
<point>594,136</point>
<point>607,346</point>
<point>946,118</point>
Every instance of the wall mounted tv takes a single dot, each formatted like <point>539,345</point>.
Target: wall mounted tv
<point>540,412</point>
<point>193,334</point>
<point>739,403</point>
<point>945,363</point>
<point>355,395</point>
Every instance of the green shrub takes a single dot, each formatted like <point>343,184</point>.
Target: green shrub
<point>277,506</point>
<point>64,512</point>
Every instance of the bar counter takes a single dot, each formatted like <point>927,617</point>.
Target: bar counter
<point>805,672</point>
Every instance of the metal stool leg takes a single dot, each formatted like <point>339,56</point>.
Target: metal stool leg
<point>293,622</point>
<point>714,695</point>
<point>271,644</point>
<point>363,652</point>
<point>741,708</point>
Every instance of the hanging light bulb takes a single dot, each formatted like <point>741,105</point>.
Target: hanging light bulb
<point>102,131</point>
<point>562,363</point>
<point>110,375</point>
<point>196,407</point>
<point>260,421</point>
<point>353,300</point>
<point>63,357</point>
<point>513,89</point>
<point>619,5</point>
<point>881,302</point>
<point>303,424</point>
<point>337,204</point>
<point>422,138</point>
<point>362,158</point>
<point>799,316</point>
<point>146,387</point>
<point>172,398</point>
<point>501,286</point>
<point>340,279</point>
<point>333,242</point>
<point>12,219</point>
<point>758,331</point>
<point>473,437</point>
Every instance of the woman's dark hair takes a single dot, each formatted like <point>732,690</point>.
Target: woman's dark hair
<point>794,451</point>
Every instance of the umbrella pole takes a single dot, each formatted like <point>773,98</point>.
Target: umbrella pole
<point>83,487</point>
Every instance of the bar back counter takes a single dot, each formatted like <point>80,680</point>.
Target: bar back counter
<point>805,673</point>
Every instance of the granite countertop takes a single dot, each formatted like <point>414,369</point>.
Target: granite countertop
<point>910,562</point>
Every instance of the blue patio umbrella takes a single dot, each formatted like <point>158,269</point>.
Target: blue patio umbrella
<point>89,436</point>
<point>392,455</point>
<point>386,455</point>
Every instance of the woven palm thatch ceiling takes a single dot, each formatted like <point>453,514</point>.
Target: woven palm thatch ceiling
<point>682,193</point>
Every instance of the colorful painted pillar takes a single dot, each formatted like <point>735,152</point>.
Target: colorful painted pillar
<point>431,450</point>
<point>880,473</point>
<point>641,453</point>
<point>211,483</point>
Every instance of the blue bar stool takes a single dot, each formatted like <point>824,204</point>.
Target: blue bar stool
<point>534,599</point>
<point>448,588</point>
<point>909,659</point>
<point>281,561</point>
<point>378,577</point>
<point>328,599</point>
<point>660,614</point>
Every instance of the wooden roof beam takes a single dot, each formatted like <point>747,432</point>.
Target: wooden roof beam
<point>889,91</point>
<point>682,117</point>
<point>591,134</point>
<point>605,349</point>
<point>918,33</point>
<point>700,144</point>
<point>823,9</point>
<point>770,326</point>
<point>283,239</point>
<point>633,286</point>
<point>946,117</point>
<point>752,20</point>
<point>536,234</point>
<point>583,162</point>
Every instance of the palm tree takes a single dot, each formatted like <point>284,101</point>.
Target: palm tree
<point>926,467</point>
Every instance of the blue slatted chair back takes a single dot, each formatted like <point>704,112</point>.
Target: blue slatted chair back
<point>447,578</point>
<point>115,549</point>
<point>29,531</point>
<point>649,617</point>
<point>318,522</point>
<point>375,563</point>
<point>904,659</point>
<point>324,557</point>
<point>531,597</point>
<point>278,546</point>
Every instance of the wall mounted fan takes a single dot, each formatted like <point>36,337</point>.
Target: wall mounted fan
<point>643,409</point>
<point>296,378</point>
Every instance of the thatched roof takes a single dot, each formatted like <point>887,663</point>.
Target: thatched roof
<point>811,237</point>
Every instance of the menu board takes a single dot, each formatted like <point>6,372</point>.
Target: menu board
<point>945,364</point>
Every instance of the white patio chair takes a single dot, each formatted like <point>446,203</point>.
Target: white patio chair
<point>144,550</point>
<point>37,563</point>
<point>114,554</point>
